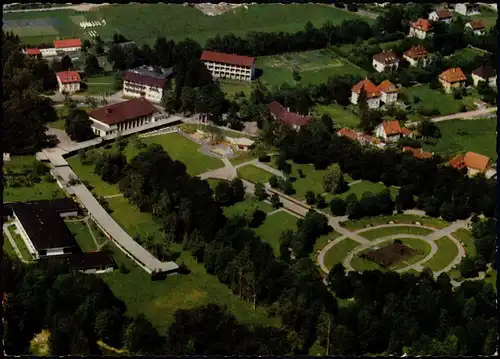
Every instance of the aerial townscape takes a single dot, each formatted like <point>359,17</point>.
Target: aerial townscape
<point>249,179</point>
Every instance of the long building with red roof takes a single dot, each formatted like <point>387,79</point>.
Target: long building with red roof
<point>229,66</point>
<point>282,114</point>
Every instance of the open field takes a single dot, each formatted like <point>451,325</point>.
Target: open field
<point>462,136</point>
<point>313,67</point>
<point>249,204</point>
<point>389,231</point>
<point>254,174</point>
<point>86,173</point>
<point>447,251</point>
<point>273,226</point>
<point>178,22</point>
<point>467,240</point>
<point>337,253</point>
<point>341,116</point>
<point>82,235</point>
<point>99,85</point>
<point>357,224</point>
<point>360,188</point>
<point>7,248</point>
<point>37,192</point>
<point>466,53</point>
<point>232,87</point>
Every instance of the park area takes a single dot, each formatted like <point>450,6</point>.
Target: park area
<point>459,136</point>
<point>314,67</point>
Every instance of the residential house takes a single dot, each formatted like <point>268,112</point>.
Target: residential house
<point>467,9</point>
<point>389,131</point>
<point>417,55</point>
<point>441,15</point>
<point>282,114</point>
<point>420,29</point>
<point>146,82</point>
<point>67,46</point>
<point>453,78</point>
<point>389,92</point>
<point>229,66</point>
<point>385,61</point>
<point>32,52</point>
<point>349,133</point>
<point>68,81</point>
<point>477,27</point>
<point>372,93</point>
<point>475,163</point>
<point>486,74</point>
<point>122,116</point>
<point>417,152</point>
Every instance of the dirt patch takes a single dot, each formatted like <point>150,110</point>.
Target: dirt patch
<point>391,254</point>
<point>217,9</point>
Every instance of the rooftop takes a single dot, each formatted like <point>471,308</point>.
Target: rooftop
<point>148,75</point>
<point>386,57</point>
<point>476,25</point>
<point>452,75</point>
<point>347,132</point>
<point>391,127</point>
<point>422,24</point>
<point>476,161</point>
<point>68,76</point>
<point>123,111</point>
<point>387,87</point>
<point>370,88</point>
<point>286,117</point>
<point>32,51</point>
<point>444,13</point>
<point>231,59</point>
<point>416,52</point>
<point>485,72</point>
<point>61,44</point>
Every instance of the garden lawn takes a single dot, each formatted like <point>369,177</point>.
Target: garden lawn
<point>145,22</point>
<point>82,235</point>
<point>8,249</point>
<point>270,231</point>
<point>86,174</point>
<point>254,174</point>
<point>467,240</point>
<point>39,191</point>
<point>389,231</point>
<point>340,115</point>
<point>322,241</point>
<point>182,149</point>
<point>361,264</point>
<point>249,204</point>
<point>447,251</point>
<point>242,157</point>
<point>357,224</point>
<point>417,244</point>
<point>21,245</point>
<point>458,136</point>
<point>232,87</point>
<point>363,186</point>
<point>337,253</point>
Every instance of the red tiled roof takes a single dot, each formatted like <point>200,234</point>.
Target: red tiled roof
<point>371,89</point>
<point>33,51</point>
<point>60,44</point>
<point>416,52</point>
<point>143,79</point>
<point>391,127</point>
<point>476,25</point>
<point>422,24</point>
<point>387,87</point>
<point>386,57</point>
<point>286,117</point>
<point>476,161</point>
<point>417,152</point>
<point>347,132</point>
<point>123,111</point>
<point>231,59</point>
<point>453,75</point>
<point>444,13</point>
<point>68,76</point>
<point>457,162</point>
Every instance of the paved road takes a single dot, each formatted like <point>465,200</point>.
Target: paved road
<point>13,242</point>
<point>460,116</point>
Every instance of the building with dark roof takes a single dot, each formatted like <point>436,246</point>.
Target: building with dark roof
<point>89,262</point>
<point>146,81</point>
<point>229,65</point>
<point>385,61</point>
<point>286,117</point>
<point>122,116</point>
<point>486,74</point>
<point>41,226</point>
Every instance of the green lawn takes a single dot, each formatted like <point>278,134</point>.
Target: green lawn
<point>39,191</point>
<point>232,87</point>
<point>8,249</point>
<point>82,235</point>
<point>98,90</point>
<point>467,240</point>
<point>447,251</point>
<point>212,182</point>
<point>19,164</point>
<point>249,204</point>
<point>422,246</point>
<point>337,253</point>
<point>322,241</point>
<point>314,67</point>
<point>389,231</point>
<point>254,174</point>
<point>366,186</point>
<point>86,173</point>
<point>357,224</point>
<point>242,157</point>
<point>361,264</point>
<point>341,115</point>
<point>21,245</point>
<point>273,226</point>
<point>462,136</point>
<point>144,23</point>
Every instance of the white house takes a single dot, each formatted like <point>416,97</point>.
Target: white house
<point>122,116</point>
<point>388,92</point>
<point>372,93</point>
<point>385,61</point>
<point>416,55</point>
<point>467,9</point>
<point>420,29</point>
<point>441,15</point>
<point>68,81</point>
<point>476,27</point>
<point>486,74</point>
<point>146,82</point>
<point>389,131</point>
<point>229,66</point>
<point>67,46</point>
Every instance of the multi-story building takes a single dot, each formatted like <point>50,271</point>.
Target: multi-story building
<point>385,61</point>
<point>388,92</point>
<point>371,90</point>
<point>147,82</point>
<point>229,66</point>
<point>420,29</point>
<point>453,78</point>
<point>69,81</point>
<point>416,55</point>
<point>68,46</point>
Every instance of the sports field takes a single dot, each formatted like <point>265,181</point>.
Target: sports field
<point>313,67</point>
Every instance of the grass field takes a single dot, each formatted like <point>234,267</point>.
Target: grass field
<point>466,53</point>
<point>422,246</point>
<point>322,241</point>
<point>273,226</point>
<point>313,67</point>
<point>467,240</point>
<point>249,204</point>
<point>337,253</point>
<point>21,245</point>
<point>86,173</point>
<point>389,231</point>
<point>360,188</point>
<point>362,264</point>
<point>232,87</point>
<point>254,174</point>
<point>178,22</point>
<point>82,235</point>
<point>341,116</point>
<point>242,157</point>
<point>447,251</point>
<point>462,136</point>
<point>99,85</point>
<point>357,224</point>
<point>7,248</point>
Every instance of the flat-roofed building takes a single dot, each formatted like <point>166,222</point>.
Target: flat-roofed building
<point>147,82</point>
<point>229,66</point>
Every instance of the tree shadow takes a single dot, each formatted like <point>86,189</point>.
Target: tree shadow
<point>258,73</point>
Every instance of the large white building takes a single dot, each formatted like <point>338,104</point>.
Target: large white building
<point>68,46</point>
<point>123,116</point>
<point>229,66</point>
<point>68,81</point>
<point>147,82</point>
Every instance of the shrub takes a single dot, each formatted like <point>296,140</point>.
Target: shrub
<point>124,269</point>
